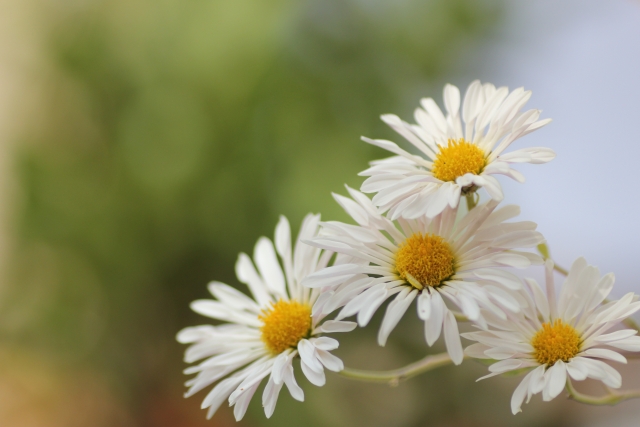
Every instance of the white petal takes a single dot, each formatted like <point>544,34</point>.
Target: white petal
<point>330,361</point>
<point>265,256</point>
<point>535,155</point>
<point>452,99</point>
<point>331,276</point>
<point>232,297</point>
<point>469,307</point>
<point>512,260</point>
<point>500,353</point>
<point>477,351</point>
<point>294,389</point>
<point>270,397</point>
<point>283,237</point>
<point>219,394</point>
<point>325,343</point>
<point>433,326</point>
<point>314,377</point>
<point>603,288</point>
<point>628,344</point>
<point>247,274</point>
<point>493,188</point>
<point>371,304</point>
<point>407,132</point>
<point>502,277</point>
<point>603,353</point>
<point>364,201</point>
<point>452,338</point>
<point>505,366</point>
<point>435,113</point>
<point>424,306</point>
<point>279,366</point>
<point>490,107</point>
<point>557,379</point>
<point>519,239</point>
<point>252,380</point>
<point>241,405</point>
<point>504,298</point>
<point>337,326</point>
<point>577,370</point>
<point>439,200</point>
<point>305,257</point>
<point>217,310</point>
<point>542,303</point>
<point>518,395</point>
<point>537,381</point>
<point>308,355</point>
<point>472,102</point>
<point>355,211</point>
<point>393,147</point>
<point>194,333</point>
<point>395,311</point>
<point>615,336</point>
<point>603,372</point>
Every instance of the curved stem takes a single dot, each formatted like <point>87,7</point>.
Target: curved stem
<point>543,249</point>
<point>560,270</point>
<point>471,201</point>
<point>394,376</point>
<point>612,398</point>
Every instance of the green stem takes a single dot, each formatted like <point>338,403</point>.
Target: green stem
<point>612,398</point>
<point>394,376</point>
<point>544,251</point>
<point>560,270</point>
<point>471,201</point>
<point>460,317</point>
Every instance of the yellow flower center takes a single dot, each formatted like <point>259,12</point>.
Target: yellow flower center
<point>284,325</point>
<point>424,260</point>
<point>458,158</point>
<point>555,342</point>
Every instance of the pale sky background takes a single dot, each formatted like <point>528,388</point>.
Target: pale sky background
<point>581,59</point>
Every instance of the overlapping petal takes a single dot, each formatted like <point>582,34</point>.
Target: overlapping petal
<point>491,120</point>
<point>580,305</point>
<point>482,243</point>
<point>233,355</point>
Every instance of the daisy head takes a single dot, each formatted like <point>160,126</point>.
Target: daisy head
<point>559,339</point>
<point>458,152</point>
<point>262,335</point>
<point>428,260</point>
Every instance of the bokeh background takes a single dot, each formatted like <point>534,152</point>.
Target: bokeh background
<point>145,143</point>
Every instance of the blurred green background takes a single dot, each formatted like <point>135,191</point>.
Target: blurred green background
<point>163,137</point>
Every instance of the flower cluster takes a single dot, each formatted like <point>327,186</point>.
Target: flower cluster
<point>414,241</point>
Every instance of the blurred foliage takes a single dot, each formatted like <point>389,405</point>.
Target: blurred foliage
<point>170,135</point>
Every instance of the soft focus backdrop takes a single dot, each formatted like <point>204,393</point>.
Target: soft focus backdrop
<point>146,143</point>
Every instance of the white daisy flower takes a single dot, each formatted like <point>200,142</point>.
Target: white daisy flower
<point>560,339</point>
<point>460,152</point>
<point>264,334</point>
<point>425,259</point>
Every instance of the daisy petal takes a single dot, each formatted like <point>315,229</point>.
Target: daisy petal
<point>452,338</point>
